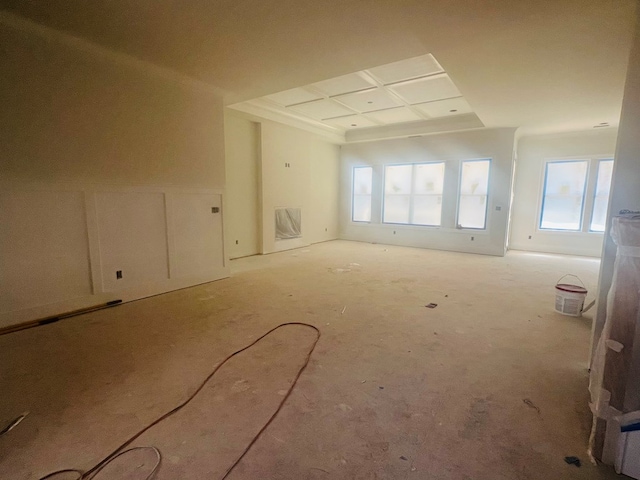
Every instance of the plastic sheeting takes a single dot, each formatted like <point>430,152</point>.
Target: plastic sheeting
<point>615,371</point>
<point>288,223</point>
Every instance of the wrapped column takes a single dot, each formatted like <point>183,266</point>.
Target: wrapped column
<point>615,370</point>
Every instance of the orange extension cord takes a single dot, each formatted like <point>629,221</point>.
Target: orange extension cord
<point>93,472</point>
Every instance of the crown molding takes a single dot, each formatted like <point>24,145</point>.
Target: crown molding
<point>253,110</point>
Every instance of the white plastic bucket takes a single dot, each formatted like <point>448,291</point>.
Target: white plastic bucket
<point>570,298</point>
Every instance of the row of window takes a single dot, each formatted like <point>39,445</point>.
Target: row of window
<point>413,194</point>
<point>564,195</point>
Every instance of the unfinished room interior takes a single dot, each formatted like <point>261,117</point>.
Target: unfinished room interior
<point>338,239</point>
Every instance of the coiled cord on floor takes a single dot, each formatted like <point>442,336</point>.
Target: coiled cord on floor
<point>94,471</point>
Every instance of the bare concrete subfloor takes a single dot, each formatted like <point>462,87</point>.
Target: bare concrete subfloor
<point>394,390</point>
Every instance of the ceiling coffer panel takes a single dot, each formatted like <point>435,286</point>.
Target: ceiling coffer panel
<point>293,96</point>
<point>444,108</point>
<point>394,115</point>
<point>351,121</point>
<point>429,89</point>
<point>406,69</point>
<point>369,100</point>
<point>353,82</point>
<point>321,109</point>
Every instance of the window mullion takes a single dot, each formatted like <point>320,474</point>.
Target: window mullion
<point>412,193</point>
<point>590,194</point>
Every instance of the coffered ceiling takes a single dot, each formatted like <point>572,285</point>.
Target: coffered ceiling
<point>540,65</point>
<point>411,90</point>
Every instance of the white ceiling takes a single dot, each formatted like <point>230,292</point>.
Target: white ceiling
<point>411,90</point>
<point>541,65</point>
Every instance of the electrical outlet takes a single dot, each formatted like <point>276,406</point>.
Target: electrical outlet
<point>118,274</point>
<point>215,209</point>
<point>529,237</point>
<point>236,242</point>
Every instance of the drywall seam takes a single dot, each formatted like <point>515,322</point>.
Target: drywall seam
<point>93,241</point>
<point>261,204</point>
<point>168,215</point>
<point>225,261</point>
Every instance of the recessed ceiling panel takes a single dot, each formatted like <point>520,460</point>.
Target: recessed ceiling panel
<point>407,69</point>
<point>443,108</point>
<point>344,84</point>
<point>369,100</point>
<point>293,96</point>
<point>408,92</point>
<point>351,121</point>
<point>394,115</point>
<point>321,109</point>
<point>427,89</point>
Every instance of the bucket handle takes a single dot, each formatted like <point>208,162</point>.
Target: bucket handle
<point>571,275</point>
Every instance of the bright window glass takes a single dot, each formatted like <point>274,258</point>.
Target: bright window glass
<point>397,193</point>
<point>474,188</point>
<point>563,197</point>
<point>601,197</point>
<point>427,193</point>
<point>413,194</point>
<point>362,186</point>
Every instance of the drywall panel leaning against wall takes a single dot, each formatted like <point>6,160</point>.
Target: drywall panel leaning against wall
<point>448,191</point>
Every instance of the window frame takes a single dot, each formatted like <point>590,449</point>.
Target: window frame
<point>411,193</point>
<point>599,162</point>
<point>353,193</point>
<point>582,203</point>
<point>486,207</point>
<point>588,194</point>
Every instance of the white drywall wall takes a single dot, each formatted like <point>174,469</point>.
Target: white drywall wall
<point>298,170</point>
<point>625,184</point>
<point>323,193</point>
<point>242,200</point>
<point>272,165</point>
<point>285,176</point>
<point>532,154</point>
<point>104,165</point>
<point>451,148</point>
<point>67,117</point>
<point>43,247</point>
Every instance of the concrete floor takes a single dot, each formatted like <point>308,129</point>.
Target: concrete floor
<point>394,390</point>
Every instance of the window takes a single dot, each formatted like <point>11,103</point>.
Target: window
<point>601,196</point>
<point>474,186</point>
<point>413,194</point>
<point>362,183</point>
<point>397,193</point>
<point>563,195</point>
